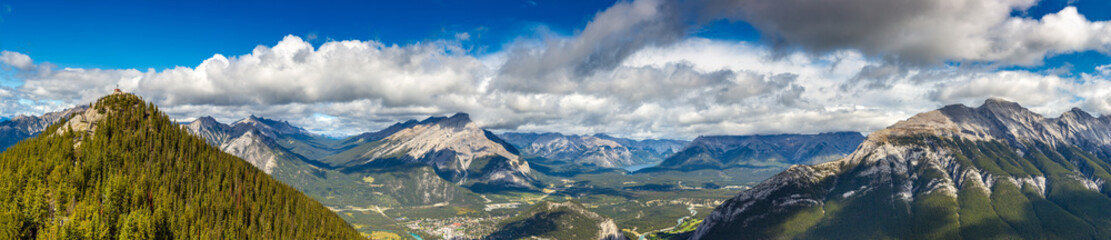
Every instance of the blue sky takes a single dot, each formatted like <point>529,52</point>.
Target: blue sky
<point>160,34</point>
<point>641,68</point>
<point>153,34</point>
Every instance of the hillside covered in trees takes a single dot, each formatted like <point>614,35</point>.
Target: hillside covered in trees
<point>123,170</point>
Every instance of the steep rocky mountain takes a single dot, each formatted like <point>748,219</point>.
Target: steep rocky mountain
<point>257,140</point>
<point>996,171</point>
<point>210,130</point>
<point>122,170</point>
<point>720,152</point>
<point>557,220</point>
<point>457,148</point>
<point>253,139</point>
<point>22,127</point>
<point>599,150</point>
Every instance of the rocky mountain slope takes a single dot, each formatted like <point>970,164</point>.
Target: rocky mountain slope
<point>259,141</point>
<point>457,148</point>
<point>22,127</point>
<point>720,152</point>
<point>557,220</point>
<point>599,150</point>
<point>253,139</point>
<point>122,169</point>
<point>994,171</point>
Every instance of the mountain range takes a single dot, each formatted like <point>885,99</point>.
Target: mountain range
<point>995,171</point>
<point>598,150</point>
<point>22,127</point>
<point>721,152</point>
<point>454,147</point>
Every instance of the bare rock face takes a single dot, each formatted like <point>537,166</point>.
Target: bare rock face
<point>246,139</point>
<point>956,161</point>
<point>455,146</point>
<point>213,132</point>
<point>83,122</point>
<point>252,148</point>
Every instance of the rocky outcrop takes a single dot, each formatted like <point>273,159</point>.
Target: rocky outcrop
<point>252,148</point>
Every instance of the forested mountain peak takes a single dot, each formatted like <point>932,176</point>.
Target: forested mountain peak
<point>141,176</point>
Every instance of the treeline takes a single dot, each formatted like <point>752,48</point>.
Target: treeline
<point>140,176</point>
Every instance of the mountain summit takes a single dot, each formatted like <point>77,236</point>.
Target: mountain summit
<point>457,148</point>
<point>122,170</point>
<point>994,171</point>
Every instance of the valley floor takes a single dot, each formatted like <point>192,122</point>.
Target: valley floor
<point>640,203</point>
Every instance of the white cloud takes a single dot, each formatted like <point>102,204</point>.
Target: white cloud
<point>632,71</point>
<point>695,87</point>
<point>17,60</point>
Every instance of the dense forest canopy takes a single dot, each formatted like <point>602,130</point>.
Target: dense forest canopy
<point>138,175</point>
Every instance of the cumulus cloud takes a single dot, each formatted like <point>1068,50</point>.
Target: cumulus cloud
<point>15,59</point>
<point>690,88</point>
<point>291,71</point>
<point>633,71</point>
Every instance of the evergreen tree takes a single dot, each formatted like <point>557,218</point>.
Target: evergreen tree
<point>137,175</point>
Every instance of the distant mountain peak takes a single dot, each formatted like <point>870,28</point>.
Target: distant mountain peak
<point>269,127</point>
<point>457,121</point>
<point>1077,113</point>
<point>462,115</point>
<point>450,144</point>
<point>207,120</point>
